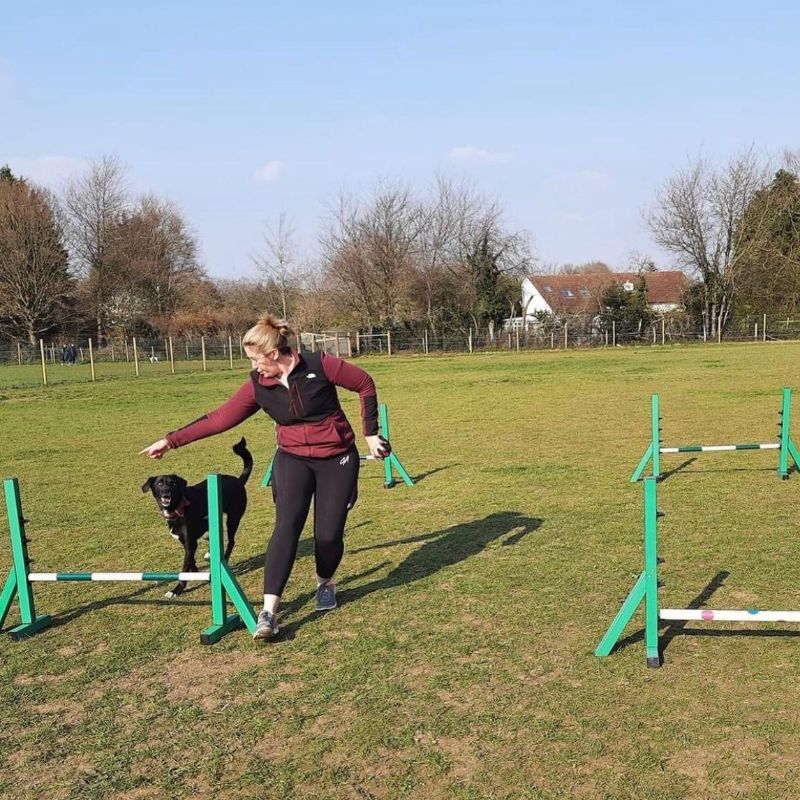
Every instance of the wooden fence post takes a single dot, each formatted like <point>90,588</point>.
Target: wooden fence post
<point>44,365</point>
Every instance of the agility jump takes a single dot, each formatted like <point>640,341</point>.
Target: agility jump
<point>784,444</point>
<point>390,463</point>
<point>645,590</point>
<point>224,586</point>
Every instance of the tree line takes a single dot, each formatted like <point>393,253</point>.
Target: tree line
<point>94,260</point>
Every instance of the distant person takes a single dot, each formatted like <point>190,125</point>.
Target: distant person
<point>73,353</point>
<point>316,458</point>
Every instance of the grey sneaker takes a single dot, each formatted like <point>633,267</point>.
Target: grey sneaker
<point>326,597</point>
<point>266,627</point>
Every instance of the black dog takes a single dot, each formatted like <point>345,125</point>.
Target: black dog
<point>185,508</point>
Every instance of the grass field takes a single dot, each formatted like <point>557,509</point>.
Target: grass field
<point>460,662</point>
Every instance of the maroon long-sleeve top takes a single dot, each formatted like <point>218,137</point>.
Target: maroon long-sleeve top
<point>309,418</point>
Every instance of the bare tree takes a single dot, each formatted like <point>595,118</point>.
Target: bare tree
<point>368,252</point>
<point>696,219</point>
<point>93,205</point>
<point>277,261</point>
<point>154,254</point>
<point>36,288</point>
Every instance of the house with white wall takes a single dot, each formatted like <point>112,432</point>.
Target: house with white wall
<point>582,293</point>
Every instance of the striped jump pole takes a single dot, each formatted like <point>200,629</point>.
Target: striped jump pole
<point>784,445</point>
<point>390,463</point>
<point>116,577</point>
<point>224,586</point>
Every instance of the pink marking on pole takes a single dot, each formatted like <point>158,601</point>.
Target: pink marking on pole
<point>707,615</point>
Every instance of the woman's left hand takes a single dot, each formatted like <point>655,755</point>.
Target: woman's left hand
<point>378,446</point>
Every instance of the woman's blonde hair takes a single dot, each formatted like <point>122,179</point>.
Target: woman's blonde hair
<point>269,333</point>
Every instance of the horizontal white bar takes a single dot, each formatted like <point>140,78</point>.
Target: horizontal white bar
<point>728,615</point>
<point>718,448</point>
<point>118,576</point>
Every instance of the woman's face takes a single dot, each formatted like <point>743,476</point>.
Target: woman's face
<point>265,363</point>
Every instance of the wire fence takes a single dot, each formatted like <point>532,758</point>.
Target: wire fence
<point>59,362</point>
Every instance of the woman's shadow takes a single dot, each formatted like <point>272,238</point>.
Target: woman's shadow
<point>441,549</point>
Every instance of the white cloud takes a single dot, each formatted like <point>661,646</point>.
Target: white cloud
<point>477,155</point>
<point>271,171</point>
<point>46,170</point>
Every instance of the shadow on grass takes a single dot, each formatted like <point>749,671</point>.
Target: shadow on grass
<point>674,470</point>
<point>441,549</point>
<point>729,469</point>
<point>423,475</point>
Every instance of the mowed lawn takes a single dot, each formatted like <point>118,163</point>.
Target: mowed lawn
<point>460,661</point>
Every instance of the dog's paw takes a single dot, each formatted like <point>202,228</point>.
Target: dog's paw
<point>170,595</point>
<point>207,556</point>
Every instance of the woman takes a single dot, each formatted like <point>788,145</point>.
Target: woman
<point>316,454</point>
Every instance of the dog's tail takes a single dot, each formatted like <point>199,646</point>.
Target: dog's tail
<point>241,450</point>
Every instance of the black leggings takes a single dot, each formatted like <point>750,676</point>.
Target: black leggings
<point>333,483</point>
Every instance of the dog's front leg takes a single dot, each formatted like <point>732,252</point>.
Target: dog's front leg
<point>189,565</point>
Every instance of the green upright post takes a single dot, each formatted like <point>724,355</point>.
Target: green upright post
<point>222,580</point>
<point>653,451</point>
<point>267,475</point>
<point>391,461</point>
<point>651,572</point>
<point>17,583</point>
<point>788,449</point>
<point>645,589</point>
<point>655,421</point>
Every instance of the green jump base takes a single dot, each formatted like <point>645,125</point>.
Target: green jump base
<point>214,633</point>
<point>28,629</point>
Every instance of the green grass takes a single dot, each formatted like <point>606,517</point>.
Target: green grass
<point>460,662</point>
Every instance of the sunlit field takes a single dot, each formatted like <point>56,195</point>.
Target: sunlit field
<point>460,661</point>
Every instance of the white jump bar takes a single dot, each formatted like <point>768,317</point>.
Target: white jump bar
<point>728,615</point>
<point>119,576</point>
<point>718,447</point>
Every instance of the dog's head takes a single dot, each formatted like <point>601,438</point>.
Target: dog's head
<point>169,492</point>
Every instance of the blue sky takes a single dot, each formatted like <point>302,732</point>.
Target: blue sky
<point>570,114</point>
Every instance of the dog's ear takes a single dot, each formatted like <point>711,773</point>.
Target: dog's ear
<point>148,483</point>
<point>182,482</point>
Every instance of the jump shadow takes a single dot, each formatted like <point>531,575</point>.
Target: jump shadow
<point>674,470</point>
<point>441,549</point>
<point>423,475</point>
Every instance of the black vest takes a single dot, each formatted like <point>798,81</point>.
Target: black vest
<point>311,397</point>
